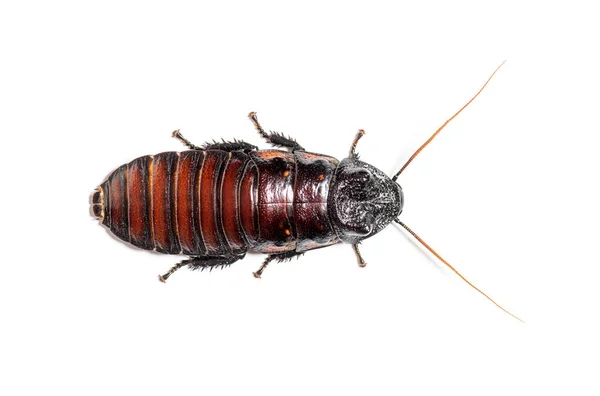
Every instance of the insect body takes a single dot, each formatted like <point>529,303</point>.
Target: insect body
<point>217,202</point>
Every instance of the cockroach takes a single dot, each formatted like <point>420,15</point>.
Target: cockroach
<point>216,202</point>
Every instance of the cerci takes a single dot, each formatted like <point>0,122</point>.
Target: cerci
<point>217,202</point>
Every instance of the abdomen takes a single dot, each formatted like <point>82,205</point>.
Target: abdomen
<point>215,203</point>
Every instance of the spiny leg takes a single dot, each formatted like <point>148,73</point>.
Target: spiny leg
<point>202,262</point>
<point>182,263</point>
<point>279,257</point>
<point>275,138</point>
<point>353,153</point>
<point>259,128</point>
<point>279,140</point>
<point>264,264</point>
<point>177,135</point>
<point>230,146</point>
<point>361,262</point>
<point>224,145</point>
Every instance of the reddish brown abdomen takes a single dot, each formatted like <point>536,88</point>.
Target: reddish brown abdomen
<point>212,203</point>
<point>177,203</point>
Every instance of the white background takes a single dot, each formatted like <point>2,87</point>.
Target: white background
<point>508,193</point>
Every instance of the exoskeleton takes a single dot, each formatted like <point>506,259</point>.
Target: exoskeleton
<point>217,202</point>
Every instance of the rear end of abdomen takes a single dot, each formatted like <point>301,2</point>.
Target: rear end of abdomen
<point>176,203</point>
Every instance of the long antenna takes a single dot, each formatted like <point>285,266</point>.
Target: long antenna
<point>451,267</point>
<point>445,123</point>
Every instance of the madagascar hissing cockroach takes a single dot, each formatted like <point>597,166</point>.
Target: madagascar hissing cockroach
<point>218,201</point>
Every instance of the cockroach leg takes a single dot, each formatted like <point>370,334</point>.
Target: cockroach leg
<point>224,145</point>
<point>353,153</point>
<point>230,146</point>
<point>259,128</point>
<point>276,139</point>
<point>163,278</point>
<point>258,273</point>
<point>361,262</point>
<point>203,262</point>
<point>177,135</point>
<point>279,257</point>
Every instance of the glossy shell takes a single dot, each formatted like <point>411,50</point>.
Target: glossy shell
<point>212,202</point>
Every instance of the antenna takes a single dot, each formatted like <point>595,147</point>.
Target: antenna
<point>451,267</point>
<point>445,123</point>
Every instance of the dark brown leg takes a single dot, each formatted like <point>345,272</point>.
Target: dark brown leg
<point>224,145</point>
<point>230,146</point>
<point>353,153</point>
<point>177,135</point>
<point>163,278</point>
<point>279,257</point>
<point>361,262</point>
<point>275,138</point>
<point>258,273</point>
<point>259,128</point>
<point>203,262</point>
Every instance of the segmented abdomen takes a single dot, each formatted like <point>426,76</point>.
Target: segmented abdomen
<point>214,202</point>
<point>178,202</point>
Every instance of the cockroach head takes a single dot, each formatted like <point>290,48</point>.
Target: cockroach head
<point>362,200</point>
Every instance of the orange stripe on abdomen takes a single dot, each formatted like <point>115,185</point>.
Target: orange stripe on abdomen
<point>163,202</point>
<point>247,203</point>
<point>229,200</point>
<point>210,195</point>
<point>138,196</point>
<point>190,163</point>
<point>116,217</point>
